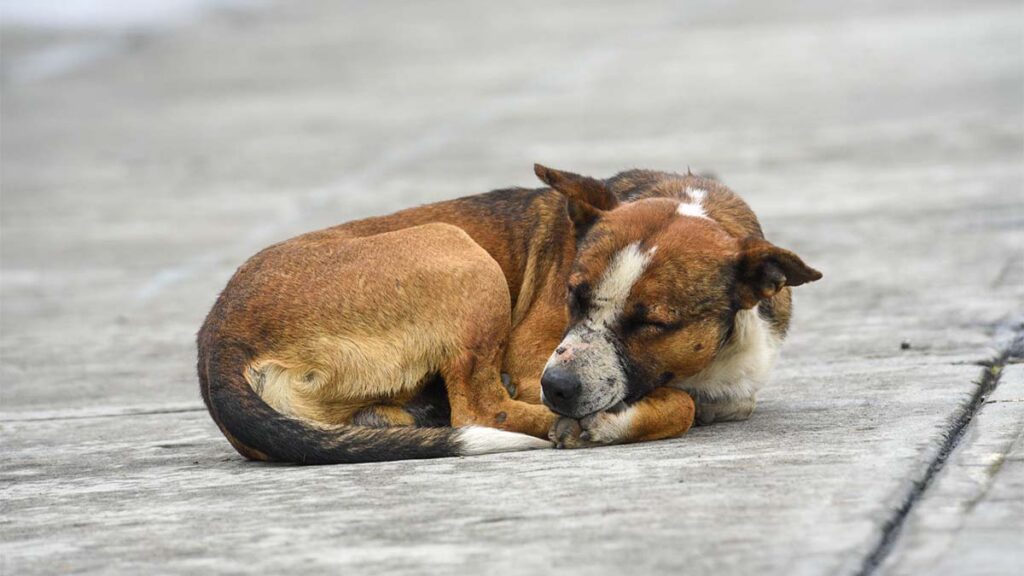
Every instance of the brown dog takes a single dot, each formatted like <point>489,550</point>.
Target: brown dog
<point>430,332</point>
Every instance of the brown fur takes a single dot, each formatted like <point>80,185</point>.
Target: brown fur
<point>664,413</point>
<point>319,340</point>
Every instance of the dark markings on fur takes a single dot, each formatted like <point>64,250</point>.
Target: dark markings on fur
<point>579,301</point>
<point>575,215</point>
<point>430,407</point>
<point>639,381</point>
<point>259,432</point>
<point>727,320</point>
<point>512,216</point>
<point>594,236</point>
<point>768,309</point>
<point>632,184</point>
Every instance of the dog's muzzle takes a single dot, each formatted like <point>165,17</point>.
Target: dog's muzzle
<point>584,375</point>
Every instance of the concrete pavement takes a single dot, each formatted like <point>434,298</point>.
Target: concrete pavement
<point>883,143</point>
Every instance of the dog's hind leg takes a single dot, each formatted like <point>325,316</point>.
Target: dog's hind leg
<point>383,416</point>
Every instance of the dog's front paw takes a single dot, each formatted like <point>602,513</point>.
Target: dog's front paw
<point>566,432</point>
<point>599,429</point>
<point>604,428</point>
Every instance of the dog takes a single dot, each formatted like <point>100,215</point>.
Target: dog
<point>586,313</point>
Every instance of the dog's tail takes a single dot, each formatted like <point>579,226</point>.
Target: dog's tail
<point>259,432</point>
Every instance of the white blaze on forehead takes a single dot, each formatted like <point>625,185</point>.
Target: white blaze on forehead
<point>616,283</point>
<point>588,349</point>
<point>695,206</point>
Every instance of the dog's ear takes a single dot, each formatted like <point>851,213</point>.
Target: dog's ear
<point>764,269</point>
<point>578,188</point>
<point>588,197</point>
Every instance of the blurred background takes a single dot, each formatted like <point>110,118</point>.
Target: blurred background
<point>150,146</point>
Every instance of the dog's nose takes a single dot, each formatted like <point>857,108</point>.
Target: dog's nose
<point>561,388</point>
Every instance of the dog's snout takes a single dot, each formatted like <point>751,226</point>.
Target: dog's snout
<point>561,388</point>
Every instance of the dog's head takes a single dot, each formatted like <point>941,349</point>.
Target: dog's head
<point>653,291</point>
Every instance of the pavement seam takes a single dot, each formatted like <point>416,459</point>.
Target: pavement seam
<point>1010,348</point>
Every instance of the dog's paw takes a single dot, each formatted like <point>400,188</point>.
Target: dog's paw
<point>604,428</point>
<point>599,429</point>
<point>565,433</point>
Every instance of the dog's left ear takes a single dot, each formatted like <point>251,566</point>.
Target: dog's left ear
<point>578,188</point>
<point>588,197</point>
<point>764,269</point>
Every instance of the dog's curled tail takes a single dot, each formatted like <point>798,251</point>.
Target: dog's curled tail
<point>259,432</point>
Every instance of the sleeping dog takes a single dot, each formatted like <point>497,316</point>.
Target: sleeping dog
<point>590,312</point>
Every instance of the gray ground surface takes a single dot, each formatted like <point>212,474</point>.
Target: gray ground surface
<point>882,141</point>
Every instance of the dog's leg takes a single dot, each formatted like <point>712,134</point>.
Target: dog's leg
<point>478,397</point>
<point>725,410</point>
<point>664,413</point>
<point>383,416</point>
<point>477,393</point>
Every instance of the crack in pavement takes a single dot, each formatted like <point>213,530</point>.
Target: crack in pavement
<point>1009,349</point>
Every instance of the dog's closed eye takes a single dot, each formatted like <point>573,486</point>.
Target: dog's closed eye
<point>643,319</point>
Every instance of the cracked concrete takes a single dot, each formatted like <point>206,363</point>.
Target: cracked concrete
<point>971,520</point>
<point>882,142</point>
<point>992,435</point>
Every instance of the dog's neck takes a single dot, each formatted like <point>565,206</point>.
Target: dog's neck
<point>529,234</point>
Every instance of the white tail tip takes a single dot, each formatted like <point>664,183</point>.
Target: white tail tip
<point>475,440</point>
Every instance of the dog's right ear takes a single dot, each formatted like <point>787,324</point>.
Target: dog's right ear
<point>765,269</point>
<point>588,197</point>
